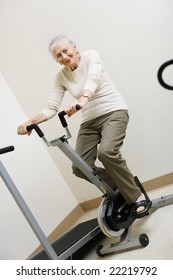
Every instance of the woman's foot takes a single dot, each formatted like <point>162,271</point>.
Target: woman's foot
<point>141,206</point>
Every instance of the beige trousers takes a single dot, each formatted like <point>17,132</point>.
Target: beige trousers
<point>102,138</point>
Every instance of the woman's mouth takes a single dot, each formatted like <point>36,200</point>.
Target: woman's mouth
<point>68,61</point>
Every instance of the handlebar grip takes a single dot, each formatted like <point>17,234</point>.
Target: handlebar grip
<point>6,149</point>
<point>63,113</point>
<point>62,119</point>
<point>37,129</point>
<point>78,107</point>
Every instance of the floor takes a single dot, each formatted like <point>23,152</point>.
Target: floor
<point>158,226</point>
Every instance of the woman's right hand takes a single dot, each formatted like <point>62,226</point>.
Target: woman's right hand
<point>21,130</point>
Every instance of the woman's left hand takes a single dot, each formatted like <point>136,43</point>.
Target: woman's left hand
<point>71,108</point>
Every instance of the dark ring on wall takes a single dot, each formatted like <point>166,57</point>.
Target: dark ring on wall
<point>160,73</point>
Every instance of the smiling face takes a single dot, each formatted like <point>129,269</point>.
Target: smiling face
<point>66,53</point>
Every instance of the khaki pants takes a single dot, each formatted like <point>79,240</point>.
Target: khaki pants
<point>102,138</point>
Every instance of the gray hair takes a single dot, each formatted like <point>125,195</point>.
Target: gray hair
<point>57,39</point>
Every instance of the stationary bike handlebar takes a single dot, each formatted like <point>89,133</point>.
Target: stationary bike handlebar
<point>36,128</point>
<point>6,149</point>
<point>61,115</point>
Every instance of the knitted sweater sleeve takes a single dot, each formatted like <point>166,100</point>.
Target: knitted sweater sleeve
<point>95,69</point>
<point>55,99</point>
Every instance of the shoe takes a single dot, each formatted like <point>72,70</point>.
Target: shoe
<point>145,204</point>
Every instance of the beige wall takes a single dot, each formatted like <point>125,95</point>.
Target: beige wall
<point>133,37</point>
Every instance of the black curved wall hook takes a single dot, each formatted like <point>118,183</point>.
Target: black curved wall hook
<point>160,74</point>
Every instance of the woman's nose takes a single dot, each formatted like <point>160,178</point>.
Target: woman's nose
<point>64,56</point>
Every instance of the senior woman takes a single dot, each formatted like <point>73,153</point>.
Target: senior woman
<point>104,116</point>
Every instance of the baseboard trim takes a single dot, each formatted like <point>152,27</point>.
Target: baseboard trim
<point>158,182</point>
<point>91,204</point>
<point>148,186</point>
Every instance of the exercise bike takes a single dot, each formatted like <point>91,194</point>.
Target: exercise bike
<point>115,217</point>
